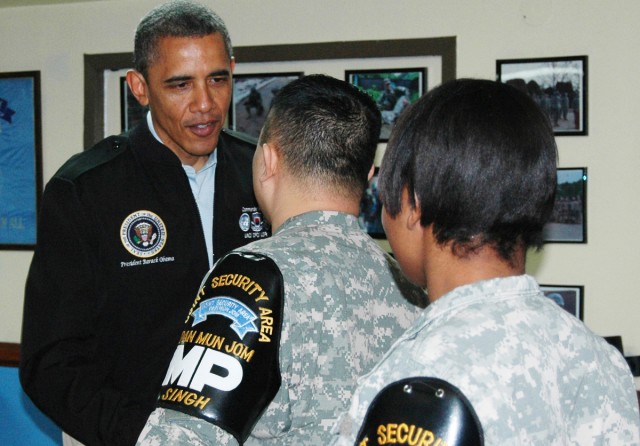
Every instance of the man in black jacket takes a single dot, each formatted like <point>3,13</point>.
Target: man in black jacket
<point>127,230</point>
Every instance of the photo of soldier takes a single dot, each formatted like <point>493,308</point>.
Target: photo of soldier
<point>252,95</point>
<point>393,90</point>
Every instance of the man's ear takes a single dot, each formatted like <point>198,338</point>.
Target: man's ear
<point>138,86</point>
<point>271,160</point>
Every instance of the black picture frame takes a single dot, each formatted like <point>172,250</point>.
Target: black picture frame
<point>131,112</point>
<point>251,99</point>
<point>370,217</point>
<point>557,84</point>
<point>393,89</point>
<point>569,297</point>
<point>20,159</point>
<point>568,222</point>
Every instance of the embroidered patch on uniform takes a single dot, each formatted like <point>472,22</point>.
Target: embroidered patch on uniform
<point>143,234</point>
<point>241,315</point>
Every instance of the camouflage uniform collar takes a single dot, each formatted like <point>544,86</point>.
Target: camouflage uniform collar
<point>484,292</point>
<point>318,218</point>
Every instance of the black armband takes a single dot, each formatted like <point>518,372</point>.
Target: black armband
<point>420,411</point>
<point>226,368</point>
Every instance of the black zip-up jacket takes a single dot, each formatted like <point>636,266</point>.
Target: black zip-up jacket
<point>106,297</point>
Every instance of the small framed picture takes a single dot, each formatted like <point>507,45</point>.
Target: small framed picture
<point>569,297</point>
<point>20,159</point>
<point>131,112</point>
<point>371,209</point>
<point>557,84</point>
<point>252,95</point>
<point>392,89</point>
<point>568,222</point>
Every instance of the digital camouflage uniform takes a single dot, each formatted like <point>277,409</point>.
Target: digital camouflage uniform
<point>342,310</point>
<point>533,373</point>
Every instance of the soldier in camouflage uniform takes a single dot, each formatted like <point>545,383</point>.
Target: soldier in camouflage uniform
<point>336,300</point>
<point>467,182</point>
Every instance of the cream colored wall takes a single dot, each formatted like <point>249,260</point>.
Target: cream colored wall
<point>53,39</point>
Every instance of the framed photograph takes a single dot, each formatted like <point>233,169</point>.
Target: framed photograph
<point>568,222</point>
<point>371,209</point>
<point>252,95</point>
<point>569,297</point>
<point>557,84</point>
<point>20,159</point>
<point>131,112</point>
<point>392,89</point>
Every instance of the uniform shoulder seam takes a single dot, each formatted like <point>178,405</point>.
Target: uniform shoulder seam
<point>101,153</point>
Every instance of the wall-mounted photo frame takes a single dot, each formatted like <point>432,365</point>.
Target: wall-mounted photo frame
<point>568,222</point>
<point>569,297</point>
<point>20,159</point>
<point>131,112</point>
<point>557,84</point>
<point>370,217</point>
<point>252,95</point>
<point>392,89</point>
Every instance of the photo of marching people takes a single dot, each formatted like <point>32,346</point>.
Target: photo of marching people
<point>557,85</point>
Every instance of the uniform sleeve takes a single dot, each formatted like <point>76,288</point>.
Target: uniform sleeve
<point>166,426</point>
<point>225,369</point>
<point>59,369</point>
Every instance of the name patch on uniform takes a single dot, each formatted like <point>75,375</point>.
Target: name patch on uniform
<point>143,234</point>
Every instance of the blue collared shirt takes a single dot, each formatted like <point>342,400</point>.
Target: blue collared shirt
<point>203,186</point>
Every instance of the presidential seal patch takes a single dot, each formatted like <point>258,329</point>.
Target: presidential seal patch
<point>143,234</point>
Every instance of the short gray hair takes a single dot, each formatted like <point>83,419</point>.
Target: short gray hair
<point>178,18</point>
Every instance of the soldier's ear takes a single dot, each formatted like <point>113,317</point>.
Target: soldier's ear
<point>271,157</point>
<point>138,86</point>
<point>413,213</point>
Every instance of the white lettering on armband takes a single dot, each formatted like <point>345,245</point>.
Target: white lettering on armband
<point>193,371</point>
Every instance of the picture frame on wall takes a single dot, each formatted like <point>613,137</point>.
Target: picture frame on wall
<point>568,222</point>
<point>251,99</point>
<point>392,89</point>
<point>131,112</point>
<point>370,217</point>
<point>20,159</point>
<point>557,84</point>
<point>569,297</point>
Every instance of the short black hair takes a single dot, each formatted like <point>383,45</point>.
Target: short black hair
<point>177,18</point>
<point>480,158</point>
<point>327,131</point>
